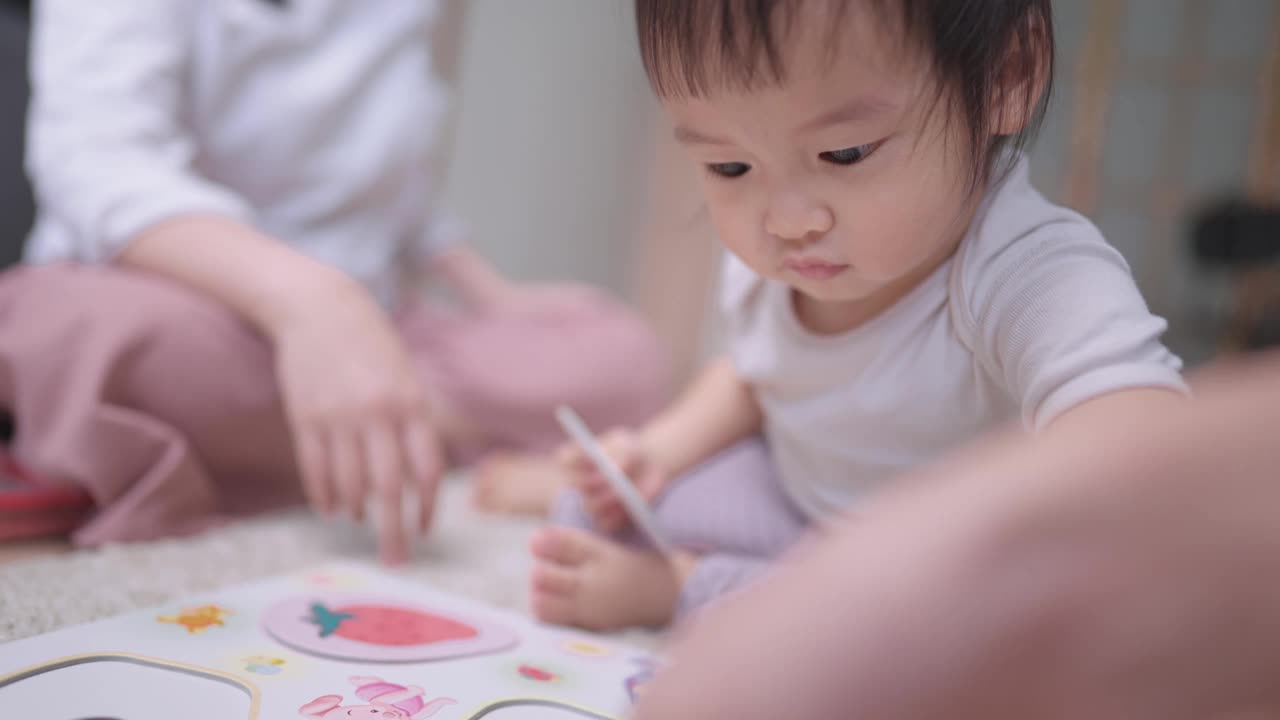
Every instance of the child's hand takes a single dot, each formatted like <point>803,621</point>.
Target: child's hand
<point>359,414</point>
<point>637,459</point>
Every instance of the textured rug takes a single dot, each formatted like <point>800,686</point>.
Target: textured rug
<point>468,554</point>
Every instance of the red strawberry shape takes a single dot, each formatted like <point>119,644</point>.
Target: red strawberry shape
<point>387,625</point>
<point>536,673</point>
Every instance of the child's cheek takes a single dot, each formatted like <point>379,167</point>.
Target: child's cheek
<point>735,221</point>
<point>744,239</point>
<point>908,235</point>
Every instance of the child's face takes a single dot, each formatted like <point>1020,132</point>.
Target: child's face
<point>840,182</point>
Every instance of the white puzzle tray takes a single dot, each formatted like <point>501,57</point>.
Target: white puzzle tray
<point>343,641</point>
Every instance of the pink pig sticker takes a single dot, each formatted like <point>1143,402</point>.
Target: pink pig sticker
<point>383,700</point>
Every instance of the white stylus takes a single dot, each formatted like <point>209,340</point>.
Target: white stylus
<point>638,510</point>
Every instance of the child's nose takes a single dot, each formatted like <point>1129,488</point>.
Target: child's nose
<point>794,217</point>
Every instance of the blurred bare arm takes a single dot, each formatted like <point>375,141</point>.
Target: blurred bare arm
<point>1125,568</point>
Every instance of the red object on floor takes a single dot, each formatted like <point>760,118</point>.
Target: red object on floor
<point>536,673</point>
<point>33,506</point>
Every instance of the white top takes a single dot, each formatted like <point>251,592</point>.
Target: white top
<point>312,120</point>
<point>1034,314</point>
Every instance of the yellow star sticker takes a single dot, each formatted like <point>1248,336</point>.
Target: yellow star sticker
<point>197,619</point>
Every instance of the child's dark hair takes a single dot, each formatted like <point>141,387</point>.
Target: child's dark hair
<point>979,49</point>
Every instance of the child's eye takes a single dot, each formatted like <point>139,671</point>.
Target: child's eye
<point>849,156</point>
<point>729,169</point>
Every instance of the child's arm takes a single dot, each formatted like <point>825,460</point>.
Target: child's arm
<point>1152,542</point>
<point>1058,320</point>
<point>717,410</point>
<point>1117,403</point>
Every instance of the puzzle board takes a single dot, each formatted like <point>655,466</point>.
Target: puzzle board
<point>336,642</point>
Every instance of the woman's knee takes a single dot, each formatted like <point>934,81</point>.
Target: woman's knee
<point>592,353</point>
<point>623,373</point>
<point>151,340</point>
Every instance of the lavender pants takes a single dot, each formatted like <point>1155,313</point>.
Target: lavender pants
<point>731,511</point>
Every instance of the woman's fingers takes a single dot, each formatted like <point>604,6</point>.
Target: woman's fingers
<point>387,468</point>
<point>426,463</point>
<point>348,467</point>
<point>313,465</point>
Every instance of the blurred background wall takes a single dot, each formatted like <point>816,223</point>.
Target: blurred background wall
<point>1162,108</point>
<point>564,168</point>
<point>553,136</point>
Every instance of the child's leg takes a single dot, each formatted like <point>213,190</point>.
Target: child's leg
<point>732,517</point>
<point>500,374</point>
<point>158,401</point>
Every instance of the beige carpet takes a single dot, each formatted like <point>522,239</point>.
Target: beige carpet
<point>469,554</point>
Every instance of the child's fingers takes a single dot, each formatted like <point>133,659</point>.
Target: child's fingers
<point>651,484</point>
<point>313,467</point>
<point>596,503</point>
<point>622,447</point>
<point>606,513</point>
<point>603,505</point>
<point>611,519</point>
<point>346,461</point>
<point>423,449</point>
<point>619,444</point>
<point>569,456</point>
<point>592,483</point>
<point>387,468</point>
<point>598,493</point>
<point>576,464</point>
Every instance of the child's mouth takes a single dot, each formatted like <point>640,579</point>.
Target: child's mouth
<point>816,269</point>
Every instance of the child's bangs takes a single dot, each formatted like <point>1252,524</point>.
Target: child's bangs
<point>691,48</point>
<point>982,53</point>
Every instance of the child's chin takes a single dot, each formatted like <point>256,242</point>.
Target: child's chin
<point>829,292</point>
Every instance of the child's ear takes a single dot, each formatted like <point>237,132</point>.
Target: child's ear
<point>1022,78</point>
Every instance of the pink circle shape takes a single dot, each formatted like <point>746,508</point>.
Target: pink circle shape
<point>368,628</point>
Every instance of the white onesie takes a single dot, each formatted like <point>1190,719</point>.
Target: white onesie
<point>1033,315</point>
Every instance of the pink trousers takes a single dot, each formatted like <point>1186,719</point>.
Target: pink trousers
<point>164,404</point>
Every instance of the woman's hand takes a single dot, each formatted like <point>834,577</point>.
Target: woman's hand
<point>357,407</point>
<point>359,414</point>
